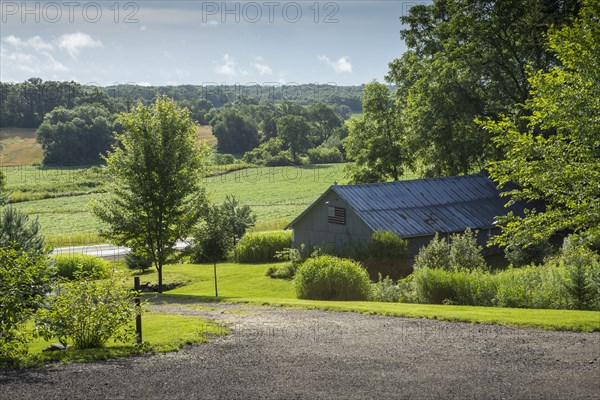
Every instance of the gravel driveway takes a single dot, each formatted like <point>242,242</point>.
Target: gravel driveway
<point>281,353</point>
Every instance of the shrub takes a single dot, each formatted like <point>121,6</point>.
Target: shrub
<point>435,255</point>
<point>136,261</point>
<point>262,246</point>
<point>386,246</point>
<point>286,271</point>
<point>87,313</point>
<point>331,278</point>
<point>531,287</point>
<point>71,266</point>
<point>223,159</point>
<point>24,280</point>
<point>269,153</point>
<point>582,272</point>
<point>527,251</point>
<point>385,290</point>
<point>462,252</point>
<point>385,253</point>
<point>465,253</point>
<point>293,257</point>
<point>324,155</point>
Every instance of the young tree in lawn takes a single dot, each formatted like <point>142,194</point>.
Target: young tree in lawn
<point>154,194</point>
<point>213,238</point>
<point>238,218</point>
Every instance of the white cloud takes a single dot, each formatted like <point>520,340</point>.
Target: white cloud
<point>227,67</point>
<point>340,65</point>
<point>31,63</point>
<point>74,42</point>
<point>143,28</point>
<point>262,67</point>
<point>36,43</point>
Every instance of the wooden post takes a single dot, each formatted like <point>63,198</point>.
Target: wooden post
<point>138,320</point>
<point>138,311</point>
<point>216,291</point>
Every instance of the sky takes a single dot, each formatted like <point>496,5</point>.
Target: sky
<point>201,42</point>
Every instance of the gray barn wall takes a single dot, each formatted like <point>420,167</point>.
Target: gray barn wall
<point>313,229</point>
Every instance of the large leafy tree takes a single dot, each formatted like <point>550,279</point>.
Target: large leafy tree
<point>376,141</point>
<point>467,59</point>
<point>154,194</point>
<point>555,158</point>
<point>324,121</point>
<point>235,132</point>
<point>294,131</point>
<point>76,136</point>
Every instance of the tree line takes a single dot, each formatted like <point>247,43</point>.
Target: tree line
<point>76,123</point>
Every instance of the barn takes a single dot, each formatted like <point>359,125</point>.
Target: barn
<point>347,215</point>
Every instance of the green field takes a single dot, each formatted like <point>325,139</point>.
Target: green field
<point>248,283</point>
<point>60,198</point>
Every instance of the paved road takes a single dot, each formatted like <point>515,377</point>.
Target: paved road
<point>106,251</point>
<point>278,353</point>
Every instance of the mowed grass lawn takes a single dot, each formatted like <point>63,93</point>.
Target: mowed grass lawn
<point>161,333</point>
<point>276,194</point>
<point>248,283</point>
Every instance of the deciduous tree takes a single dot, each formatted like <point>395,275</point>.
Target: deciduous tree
<point>555,158</point>
<point>155,195</point>
<point>376,141</point>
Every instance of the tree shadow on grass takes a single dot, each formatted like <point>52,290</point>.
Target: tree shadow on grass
<point>172,298</point>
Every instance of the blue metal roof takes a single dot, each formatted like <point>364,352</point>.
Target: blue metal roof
<point>424,206</point>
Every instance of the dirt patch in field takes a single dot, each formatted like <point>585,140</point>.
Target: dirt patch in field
<point>281,353</point>
<point>18,146</point>
<point>205,133</point>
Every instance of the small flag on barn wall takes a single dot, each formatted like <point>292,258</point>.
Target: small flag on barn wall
<point>336,215</point>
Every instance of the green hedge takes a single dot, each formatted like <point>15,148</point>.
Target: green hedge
<point>262,246</point>
<point>69,265</point>
<point>331,278</point>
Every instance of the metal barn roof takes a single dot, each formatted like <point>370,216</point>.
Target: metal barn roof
<point>423,206</point>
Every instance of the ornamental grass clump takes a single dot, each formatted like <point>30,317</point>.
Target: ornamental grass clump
<point>331,278</point>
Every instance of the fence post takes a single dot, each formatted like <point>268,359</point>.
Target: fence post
<point>138,311</point>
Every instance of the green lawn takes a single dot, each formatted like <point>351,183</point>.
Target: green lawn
<point>161,333</point>
<point>276,194</point>
<point>248,283</point>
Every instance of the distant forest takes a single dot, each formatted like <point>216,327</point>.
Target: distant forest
<point>23,105</point>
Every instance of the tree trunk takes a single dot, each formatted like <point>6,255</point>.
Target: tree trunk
<point>159,269</point>
<point>216,291</point>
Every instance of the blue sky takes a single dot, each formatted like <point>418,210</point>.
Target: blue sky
<point>196,42</point>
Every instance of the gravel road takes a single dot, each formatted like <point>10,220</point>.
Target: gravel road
<point>280,353</point>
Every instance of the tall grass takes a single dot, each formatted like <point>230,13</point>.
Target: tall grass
<point>332,278</point>
<point>552,286</point>
<point>262,246</point>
